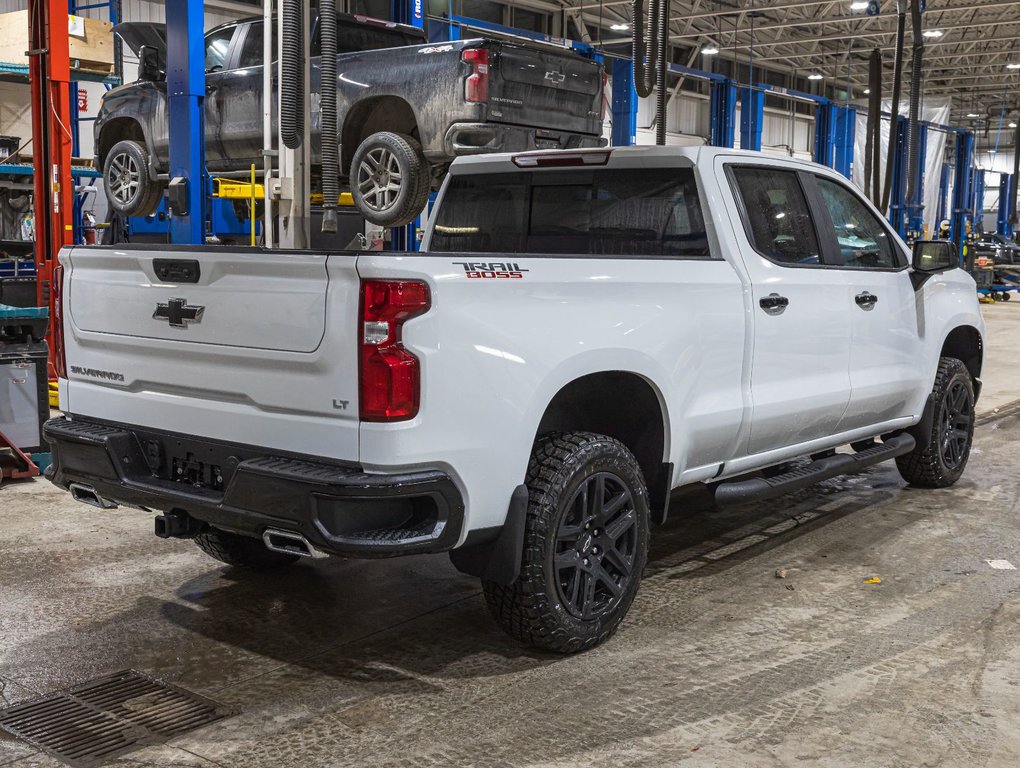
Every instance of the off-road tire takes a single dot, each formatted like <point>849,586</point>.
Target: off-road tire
<point>375,161</point>
<point>127,162</point>
<point>241,551</point>
<point>533,609</point>
<point>927,466</point>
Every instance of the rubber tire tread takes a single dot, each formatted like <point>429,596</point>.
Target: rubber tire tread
<point>923,466</point>
<point>150,192</point>
<point>241,551</point>
<point>413,165</point>
<point>525,609</point>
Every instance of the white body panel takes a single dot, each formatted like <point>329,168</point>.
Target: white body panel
<point>739,389</point>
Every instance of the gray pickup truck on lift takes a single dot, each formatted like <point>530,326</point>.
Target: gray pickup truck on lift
<point>406,109</point>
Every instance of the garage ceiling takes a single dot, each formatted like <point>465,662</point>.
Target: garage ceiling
<point>968,61</point>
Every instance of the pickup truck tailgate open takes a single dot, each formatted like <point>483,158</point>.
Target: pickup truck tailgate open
<point>204,341</point>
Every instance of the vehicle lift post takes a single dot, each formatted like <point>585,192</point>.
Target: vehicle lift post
<point>50,78</point>
<point>963,152</point>
<point>185,79</point>
<point>625,104</point>
<point>1004,223</point>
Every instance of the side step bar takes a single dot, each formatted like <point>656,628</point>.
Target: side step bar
<point>729,494</point>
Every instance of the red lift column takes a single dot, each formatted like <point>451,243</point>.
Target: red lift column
<point>50,80</point>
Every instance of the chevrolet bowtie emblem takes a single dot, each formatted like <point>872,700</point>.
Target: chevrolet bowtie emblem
<point>555,77</point>
<point>179,312</point>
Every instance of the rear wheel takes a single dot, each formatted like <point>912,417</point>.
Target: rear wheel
<point>129,188</point>
<point>941,462</point>
<point>586,543</point>
<point>241,551</point>
<point>390,179</point>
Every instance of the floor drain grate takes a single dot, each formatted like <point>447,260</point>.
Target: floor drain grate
<point>100,719</point>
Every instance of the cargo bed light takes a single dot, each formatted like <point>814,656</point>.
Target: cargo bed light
<point>560,159</point>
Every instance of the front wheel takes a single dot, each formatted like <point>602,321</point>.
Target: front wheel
<point>585,547</point>
<point>129,188</point>
<point>390,179</point>
<point>941,462</point>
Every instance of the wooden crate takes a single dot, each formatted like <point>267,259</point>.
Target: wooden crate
<point>93,51</point>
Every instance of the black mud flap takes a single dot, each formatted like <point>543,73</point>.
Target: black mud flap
<point>498,559</point>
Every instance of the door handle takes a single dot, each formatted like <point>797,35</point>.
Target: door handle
<point>774,304</point>
<point>866,300</point>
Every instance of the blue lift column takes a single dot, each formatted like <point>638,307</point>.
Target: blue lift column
<point>897,199</point>
<point>185,78</point>
<point>915,206</point>
<point>962,155</point>
<point>977,204</point>
<point>722,108</point>
<point>943,194</point>
<point>825,133</point>
<point>625,104</point>
<point>752,115</point>
<point>846,132</point>
<point>1002,224</point>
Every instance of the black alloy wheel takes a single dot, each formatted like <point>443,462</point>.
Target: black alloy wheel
<point>955,424</point>
<point>596,544</point>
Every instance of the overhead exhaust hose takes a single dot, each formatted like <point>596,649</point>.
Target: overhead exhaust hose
<point>872,129</point>
<point>661,25</point>
<point>1013,218</point>
<point>645,44</point>
<point>876,138</point>
<point>913,150</point>
<point>330,151</point>
<point>292,72</point>
<point>901,28</point>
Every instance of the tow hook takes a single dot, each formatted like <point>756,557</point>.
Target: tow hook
<point>178,524</point>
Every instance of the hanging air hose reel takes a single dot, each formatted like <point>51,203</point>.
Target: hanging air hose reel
<point>650,37</point>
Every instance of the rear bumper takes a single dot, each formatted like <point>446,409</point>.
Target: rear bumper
<point>338,509</point>
<point>478,138</point>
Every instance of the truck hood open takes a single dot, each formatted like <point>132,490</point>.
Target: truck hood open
<point>135,34</point>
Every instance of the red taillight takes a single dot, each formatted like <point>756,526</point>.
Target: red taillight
<point>390,375</point>
<point>476,87</point>
<point>57,322</point>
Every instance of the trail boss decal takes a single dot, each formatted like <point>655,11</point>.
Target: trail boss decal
<point>491,270</point>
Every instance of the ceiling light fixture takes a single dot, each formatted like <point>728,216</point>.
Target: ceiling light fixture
<point>1012,125</point>
<point>619,27</point>
<point>711,49</point>
<point>867,91</point>
<point>973,114</point>
<point>815,76</point>
<point>861,5</point>
<point>933,33</point>
<point>1013,66</point>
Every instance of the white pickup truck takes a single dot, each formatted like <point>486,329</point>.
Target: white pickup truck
<point>581,333</point>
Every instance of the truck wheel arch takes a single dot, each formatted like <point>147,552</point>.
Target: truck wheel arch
<point>964,343</point>
<point>118,129</point>
<point>372,115</point>
<point>623,405</point>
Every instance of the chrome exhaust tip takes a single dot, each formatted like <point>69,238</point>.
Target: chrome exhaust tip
<point>290,543</point>
<point>87,495</point>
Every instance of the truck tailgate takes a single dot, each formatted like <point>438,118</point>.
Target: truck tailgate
<point>219,343</point>
<point>542,88</point>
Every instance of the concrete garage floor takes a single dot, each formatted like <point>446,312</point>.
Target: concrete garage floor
<point>720,663</point>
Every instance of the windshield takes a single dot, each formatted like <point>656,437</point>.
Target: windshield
<point>627,212</point>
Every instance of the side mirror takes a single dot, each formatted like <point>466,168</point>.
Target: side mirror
<point>148,64</point>
<point>931,256</point>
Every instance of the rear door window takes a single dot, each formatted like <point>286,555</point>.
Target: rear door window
<point>776,215</point>
<point>611,212</point>
<point>217,49</point>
